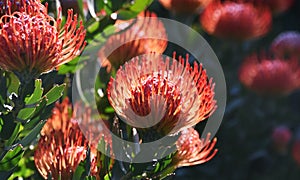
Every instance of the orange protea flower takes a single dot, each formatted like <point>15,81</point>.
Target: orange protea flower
<point>287,44</point>
<point>62,145</point>
<point>37,44</point>
<point>168,96</point>
<point>191,150</point>
<point>270,76</point>
<point>145,35</point>
<point>31,7</point>
<point>184,6</point>
<point>237,20</point>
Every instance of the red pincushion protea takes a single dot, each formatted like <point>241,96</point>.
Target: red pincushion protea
<point>184,6</point>
<point>62,145</point>
<point>155,94</point>
<point>236,20</point>
<point>146,35</point>
<point>270,76</point>
<point>287,44</point>
<point>192,150</point>
<point>37,44</point>
<point>31,7</point>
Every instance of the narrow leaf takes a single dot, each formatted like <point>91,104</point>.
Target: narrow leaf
<point>33,134</point>
<point>37,93</point>
<point>11,158</point>
<point>55,93</point>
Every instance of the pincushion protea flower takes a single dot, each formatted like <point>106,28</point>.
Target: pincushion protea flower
<point>31,7</point>
<point>270,76</point>
<point>236,20</point>
<point>166,96</point>
<point>62,145</point>
<point>192,150</point>
<point>184,6</point>
<point>146,35</point>
<point>287,44</point>
<point>37,44</point>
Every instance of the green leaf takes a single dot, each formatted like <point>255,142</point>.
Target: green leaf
<point>80,170</point>
<point>37,93</point>
<point>107,177</point>
<point>93,27</point>
<point>55,93</point>
<point>72,66</point>
<point>80,7</point>
<point>133,10</point>
<point>35,117</point>
<point>109,30</point>
<point>25,113</point>
<point>109,110</point>
<point>140,5</point>
<point>33,134</point>
<point>11,158</point>
<point>99,5</point>
<point>13,83</point>
<point>126,14</point>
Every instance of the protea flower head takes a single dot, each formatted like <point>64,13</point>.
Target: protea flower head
<point>237,20</point>
<point>146,34</point>
<point>184,6</point>
<point>193,150</point>
<point>31,7</point>
<point>270,76</point>
<point>35,44</point>
<point>156,94</point>
<point>62,145</point>
<point>287,44</point>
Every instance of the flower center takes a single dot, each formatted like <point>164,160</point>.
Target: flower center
<point>156,84</point>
